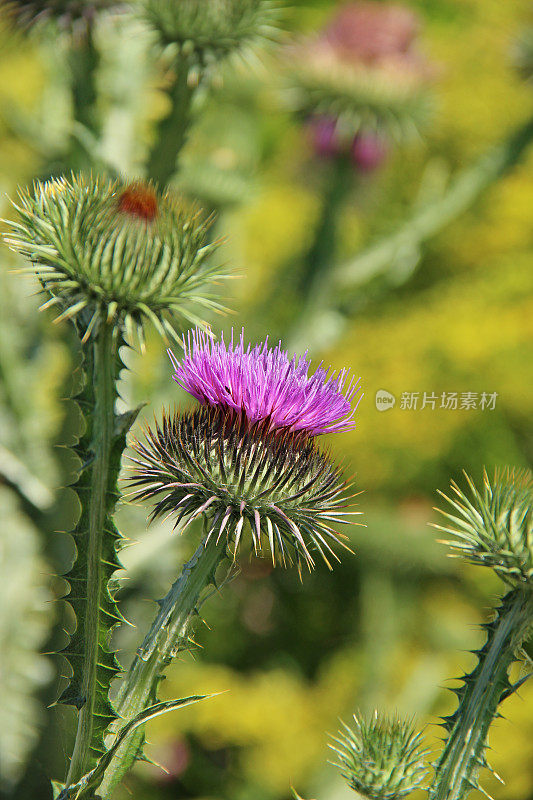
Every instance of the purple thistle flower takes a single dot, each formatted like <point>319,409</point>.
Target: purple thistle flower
<point>263,383</point>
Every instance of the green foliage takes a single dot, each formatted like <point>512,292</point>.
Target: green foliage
<point>116,252</point>
<point>86,786</point>
<point>494,527</point>
<point>382,758</point>
<point>24,624</point>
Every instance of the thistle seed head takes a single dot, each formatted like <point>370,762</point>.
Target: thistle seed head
<point>275,484</point>
<point>265,385</point>
<point>209,30</point>
<point>108,251</point>
<point>494,527</point>
<point>382,758</point>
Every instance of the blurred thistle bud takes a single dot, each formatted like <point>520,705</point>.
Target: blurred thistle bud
<point>109,251</point>
<point>368,151</point>
<point>494,527</point>
<point>247,458</point>
<point>209,30</point>
<point>364,71</point>
<point>382,758</point>
<point>65,12</point>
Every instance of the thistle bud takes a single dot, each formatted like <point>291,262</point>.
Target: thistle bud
<point>275,485</point>
<point>106,250</point>
<point>209,31</point>
<point>65,12</point>
<point>494,527</point>
<point>364,71</point>
<point>382,758</point>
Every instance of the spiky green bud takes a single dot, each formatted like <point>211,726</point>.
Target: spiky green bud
<point>107,251</point>
<point>275,484</point>
<point>208,30</point>
<point>494,527</point>
<point>382,757</point>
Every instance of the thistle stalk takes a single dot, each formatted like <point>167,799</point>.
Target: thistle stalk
<point>165,638</point>
<point>173,128</point>
<point>483,689</point>
<point>103,374</point>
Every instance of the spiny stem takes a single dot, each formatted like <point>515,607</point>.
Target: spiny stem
<point>172,129</point>
<point>463,754</point>
<point>160,645</point>
<point>104,378</point>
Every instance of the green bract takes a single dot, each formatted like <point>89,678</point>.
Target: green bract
<point>494,527</point>
<point>209,30</point>
<point>104,250</point>
<point>243,476</point>
<point>358,98</point>
<point>381,758</point>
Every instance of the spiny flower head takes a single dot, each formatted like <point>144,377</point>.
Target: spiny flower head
<point>494,527</point>
<point>382,757</point>
<point>264,384</point>
<point>209,30</point>
<point>275,484</point>
<point>364,72</point>
<point>66,12</point>
<point>108,250</point>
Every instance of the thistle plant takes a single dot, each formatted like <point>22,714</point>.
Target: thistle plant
<point>110,256</point>
<point>382,758</point>
<point>246,461</point>
<point>491,527</point>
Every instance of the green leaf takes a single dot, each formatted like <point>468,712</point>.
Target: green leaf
<point>85,788</point>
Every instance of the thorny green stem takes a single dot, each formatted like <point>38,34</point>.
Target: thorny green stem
<point>163,641</point>
<point>463,754</point>
<point>104,380</point>
<point>173,128</point>
<point>322,252</point>
<point>83,62</point>
<point>425,222</point>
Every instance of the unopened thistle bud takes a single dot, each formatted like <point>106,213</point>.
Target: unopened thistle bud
<point>108,251</point>
<point>209,30</point>
<point>494,527</point>
<point>381,758</point>
<point>246,458</point>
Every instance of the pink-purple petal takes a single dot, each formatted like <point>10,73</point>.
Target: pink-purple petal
<point>264,383</point>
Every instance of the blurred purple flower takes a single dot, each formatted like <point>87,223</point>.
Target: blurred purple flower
<point>372,33</point>
<point>368,151</point>
<point>263,383</point>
